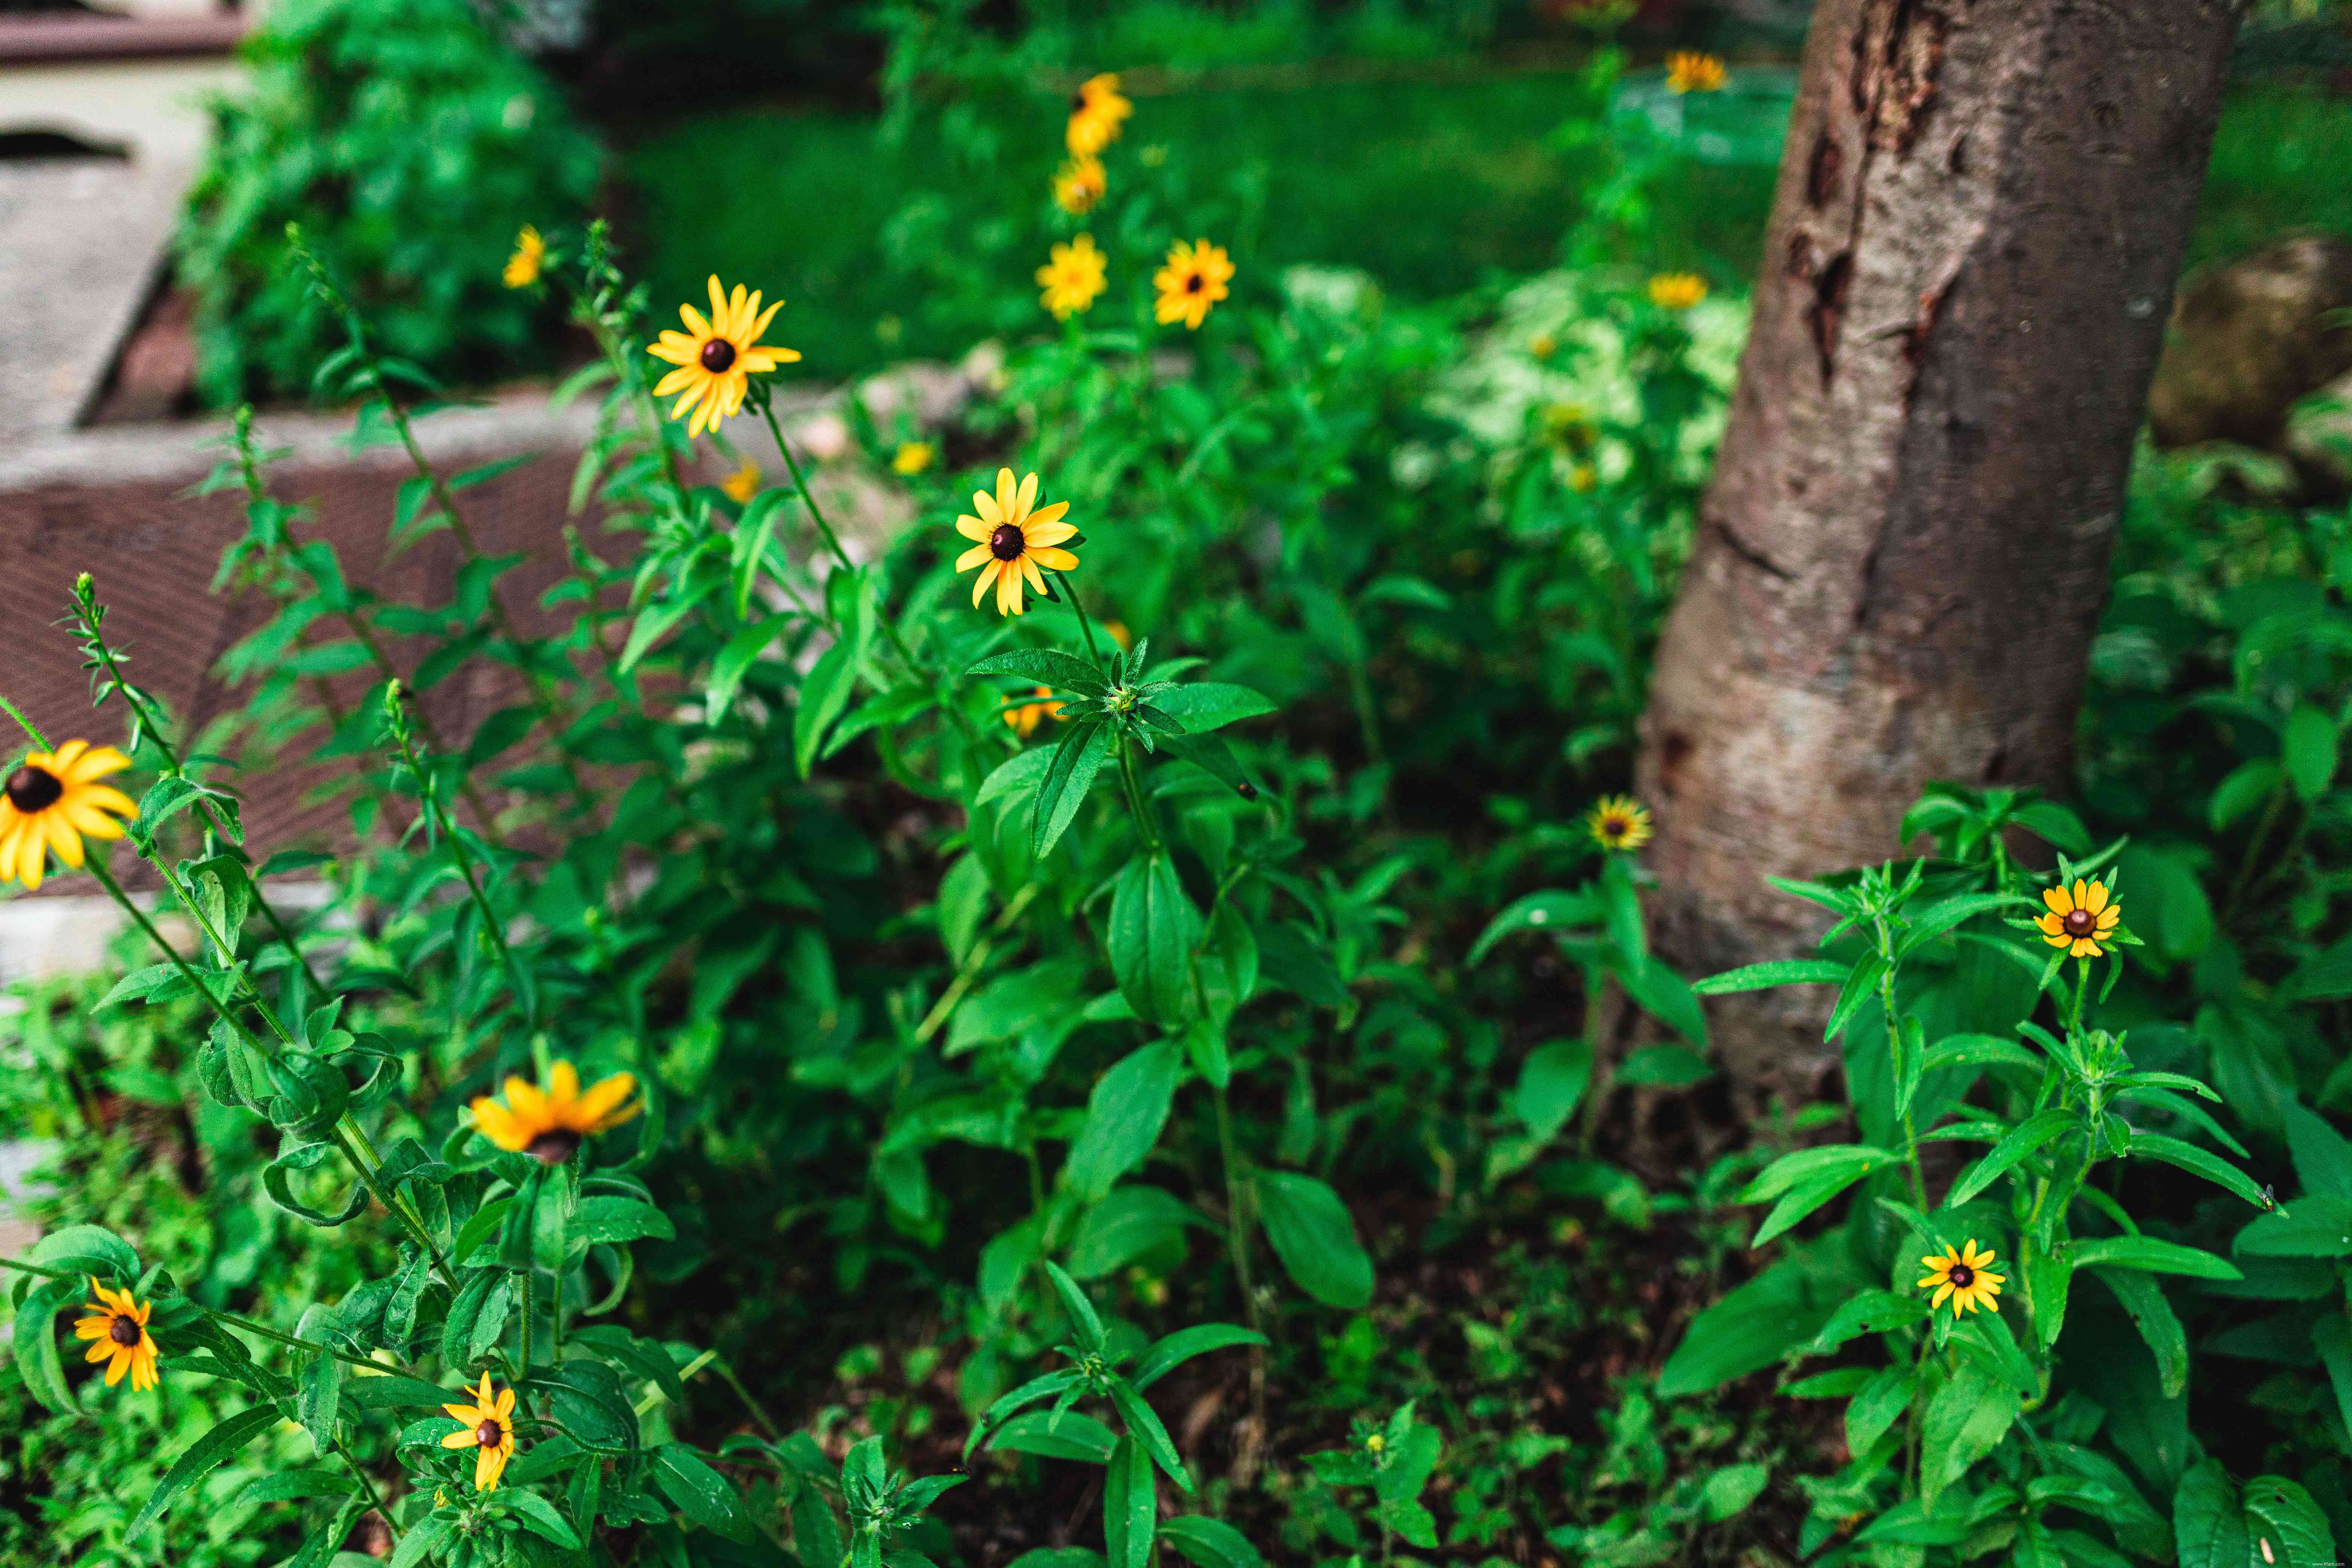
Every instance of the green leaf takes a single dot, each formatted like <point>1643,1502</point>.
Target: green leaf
<point>1130,1506</point>
<point>2189,1157</point>
<point>1879,1404</point>
<point>1786,971</point>
<point>1729,1490</point>
<point>539,1516</point>
<point>422,1540</point>
<point>1751,1328</point>
<point>317,1397</point>
<point>734,662</point>
<point>2307,1228</point>
<point>1805,1165</point>
<point>2143,1298</point>
<point>1206,705</point>
<point>1182,1345</point>
<point>1662,993</point>
<point>1085,1323</point>
<point>1871,1313</point>
<point>701,1492</point>
<point>1663,1066</point>
<point>2323,1158</point>
<point>1057,1434</point>
<point>1143,1423</point>
<point>1315,1237</point>
<point>36,1342</point>
<point>1965,1421</point>
<point>1213,757</point>
<point>655,620</point>
<point>2243,790</point>
<point>2274,1521</point>
<point>2021,1141</point>
<point>1069,773</point>
<point>1936,918</point>
<point>2146,1252</point>
<point>1126,1224</point>
<point>825,691</point>
<point>1153,927</point>
<point>200,1457</point>
<point>1025,770</point>
<point>2308,748</point>
<point>1546,911</point>
<point>1041,663</point>
<point>1211,1542</point>
<point>608,1220</point>
<point>276,1179</point>
<point>1551,1081</point>
<point>2332,1337</point>
<point>86,1250</point>
<point>1124,1116</point>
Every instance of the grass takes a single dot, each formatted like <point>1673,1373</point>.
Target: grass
<point>1430,186</point>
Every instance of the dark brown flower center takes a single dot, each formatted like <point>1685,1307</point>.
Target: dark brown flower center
<point>1078,103</point>
<point>123,1331</point>
<point>1007,542</point>
<point>717,355</point>
<point>1961,1275</point>
<point>553,1146</point>
<point>2080,922</point>
<point>490,1434</point>
<point>32,789</point>
<point>1195,284</point>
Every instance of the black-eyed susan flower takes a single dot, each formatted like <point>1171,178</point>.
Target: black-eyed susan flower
<point>912,457</point>
<point>1012,542</point>
<point>1079,184</point>
<point>485,1424</point>
<point>743,483</point>
<point>549,1125</point>
<point>1959,1274</point>
<point>1619,822</point>
<point>117,1330</point>
<point>717,356</point>
<point>1023,721</point>
<point>2081,919</point>
<point>1193,279</point>
<point>1688,71</point>
<point>1072,276</point>
<point>1676,291</point>
<point>522,266</point>
<point>1097,113</point>
<point>53,801</point>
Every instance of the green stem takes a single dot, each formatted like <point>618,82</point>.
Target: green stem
<point>438,819</point>
<point>793,467</point>
<point>1085,625</point>
<point>367,1484</point>
<point>1135,801</point>
<point>522,1354</point>
<point>1895,1060</point>
<point>26,725</point>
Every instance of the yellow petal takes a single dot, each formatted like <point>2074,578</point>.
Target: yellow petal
<point>465,1439</point>
<point>602,1106</point>
<point>2050,925</point>
<point>1026,497</point>
<point>2098,898</point>
<point>2109,916</point>
<point>116,1368</point>
<point>61,761</point>
<point>684,376</point>
<point>100,1350</point>
<point>1005,490</point>
<point>63,839</point>
<point>505,1407</point>
<point>96,764</point>
<point>2059,940</point>
<point>985,504</point>
<point>2056,898</point>
<point>1058,560</point>
<point>1940,1295</point>
<point>973,557</point>
<point>988,572</point>
<point>93,1328</point>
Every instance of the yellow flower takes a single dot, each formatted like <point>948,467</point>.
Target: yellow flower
<point>1194,279</point>
<point>487,1423</point>
<point>1543,345</point>
<point>1690,72</point>
<point>549,1126</point>
<point>1960,1275</point>
<point>743,483</point>
<point>2080,918</point>
<point>53,801</point>
<point>1096,114</point>
<point>1013,541</point>
<point>117,1329</point>
<point>1619,822</point>
<point>1676,291</point>
<point>1023,721</point>
<point>1079,184</point>
<point>522,266</point>
<point>912,457</point>
<point>1072,276</point>
<point>716,358</point>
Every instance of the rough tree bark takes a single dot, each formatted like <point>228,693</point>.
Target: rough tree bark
<point>1904,553</point>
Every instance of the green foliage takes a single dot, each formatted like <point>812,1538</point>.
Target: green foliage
<point>411,146</point>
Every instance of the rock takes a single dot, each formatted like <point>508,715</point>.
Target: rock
<point>2319,440</point>
<point>2249,339</point>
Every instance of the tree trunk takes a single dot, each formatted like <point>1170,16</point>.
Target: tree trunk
<point>1904,553</point>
